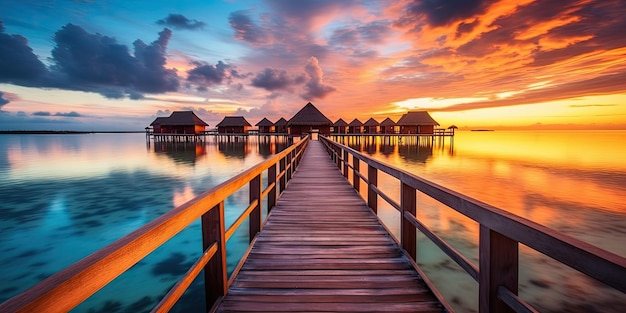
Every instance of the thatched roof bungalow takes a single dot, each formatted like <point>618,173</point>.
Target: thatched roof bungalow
<point>307,119</point>
<point>233,125</point>
<point>265,126</point>
<point>417,122</point>
<point>355,126</point>
<point>388,126</point>
<point>370,126</point>
<point>179,122</point>
<point>280,127</point>
<point>339,127</point>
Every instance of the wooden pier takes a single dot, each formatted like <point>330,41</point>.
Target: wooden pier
<point>326,254</point>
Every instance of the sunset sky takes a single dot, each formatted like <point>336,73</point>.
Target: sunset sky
<point>116,65</point>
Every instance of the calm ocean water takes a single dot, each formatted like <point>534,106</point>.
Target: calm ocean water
<point>65,196</point>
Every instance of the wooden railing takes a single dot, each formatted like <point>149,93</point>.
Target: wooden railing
<point>499,236</point>
<point>71,286</point>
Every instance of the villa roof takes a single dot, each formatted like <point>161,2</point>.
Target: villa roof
<point>281,122</point>
<point>309,115</point>
<point>264,123</point>
<point>371,122</point>
<point>340,123</point>
<point>417,118</point>
<point>180,118</point>
<point>230,121</point>
<point>355,122</point>
<point>158,120</point>
<point>387,122</point>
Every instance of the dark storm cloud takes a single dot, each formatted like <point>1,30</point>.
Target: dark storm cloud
<point>90,62</point>
<point>18,63</point>
<point>245,28</point>
<point>68,114</point>
<point>464,28</point>
<point>440,12</point>
<point>93,62</point>
<point>42,113</point>
<point>273,79</point>
<point>315,87</point>
<point>179,21</point>
<point>208,75</point>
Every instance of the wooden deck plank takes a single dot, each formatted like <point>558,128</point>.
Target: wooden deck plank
<point>323,250</point>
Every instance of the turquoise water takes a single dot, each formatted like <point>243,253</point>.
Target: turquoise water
<point>65,196</point>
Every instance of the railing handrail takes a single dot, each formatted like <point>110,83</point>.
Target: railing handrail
<point>593,261</point>
<point>66,289</point>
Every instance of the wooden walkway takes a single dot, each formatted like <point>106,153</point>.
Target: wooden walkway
<point>323,250</point>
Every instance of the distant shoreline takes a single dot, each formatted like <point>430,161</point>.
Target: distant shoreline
<point>62,132</point>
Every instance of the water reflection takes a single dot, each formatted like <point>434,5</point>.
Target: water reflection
<point>572,182</point>
<point>181,152</point>
<point>65,196</point>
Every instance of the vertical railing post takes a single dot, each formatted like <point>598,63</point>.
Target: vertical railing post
<point>408,203</point>
<point>356,180</point>
<point>255,214</point>
<point>372,196</point>
<point>346,155</point>
<point>271,195</point>
<point>215,274</point>
<point>290,169</point>
<point>338,156</point>
<point>498,266</point>
<point>281,168</point>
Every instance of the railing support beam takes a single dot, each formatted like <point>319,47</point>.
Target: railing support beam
<point>372,197</point>
<point>271,196</point>
<point>215,275</point>
<point>255,215</point>
<point>499,258</point>
<point>408,202</point>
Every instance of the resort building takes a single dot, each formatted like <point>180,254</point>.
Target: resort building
<point>387,126</point>
<point>355,126</point>
<point>370,126</point>
<point>233,125</point>
<point>308,119</point>
<point>417,122</point>
<point>265,126</point>
<point>179,122</point>
<point>280,127</point>
<point>340,126</point>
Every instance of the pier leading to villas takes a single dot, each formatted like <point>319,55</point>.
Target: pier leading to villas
<point>322,248</point>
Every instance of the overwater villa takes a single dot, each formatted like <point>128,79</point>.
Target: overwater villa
<point>233,125</point>
<point>355,126</point>
<point>307,119</point>
<point>179,122</point>
<point>417,122</point>
<point>339,127</point>
<point>265,126</point>
<point>280,127</point>
<point>387,126</point>
<point>370,126</point>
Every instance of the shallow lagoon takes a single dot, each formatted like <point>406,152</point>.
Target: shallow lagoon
<point>65,196</point>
